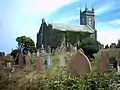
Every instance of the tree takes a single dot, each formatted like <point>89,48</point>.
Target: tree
<point>106,47</point>
<point>14,55</point>
<point>90,46</point>
<point>27,43</point>
<point>2,53</point>
<point>118,45</point>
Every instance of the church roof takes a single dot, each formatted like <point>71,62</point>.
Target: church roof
<point>65,27</point>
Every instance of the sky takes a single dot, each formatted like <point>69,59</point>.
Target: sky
<point>23,17</point>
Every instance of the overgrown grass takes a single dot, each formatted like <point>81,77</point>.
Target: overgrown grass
<point>57,79</point>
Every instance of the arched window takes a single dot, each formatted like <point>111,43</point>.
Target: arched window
<point>90,21</point>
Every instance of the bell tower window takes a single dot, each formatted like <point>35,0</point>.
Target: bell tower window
<point>90,21</point>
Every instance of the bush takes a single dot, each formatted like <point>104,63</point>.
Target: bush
<point>92,81</point>
<point>90,46</point>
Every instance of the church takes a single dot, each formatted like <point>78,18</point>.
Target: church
<point>53,34</point>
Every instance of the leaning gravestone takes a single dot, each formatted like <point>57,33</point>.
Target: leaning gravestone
<point>28,62</point>
<point>103,63</point>
<point>80,64</point>
<point>39,64</point>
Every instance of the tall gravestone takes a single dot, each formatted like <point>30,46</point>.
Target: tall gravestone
<point>20,60</point>
<point>48,60</point>
<point>63,51</point>
<point>80,64</point>
<point>61,60</point>
<point>39,64</point>
<point>103,63</point>
<point>28,62</point>
<point>118,62</point>
<point>2,64</point>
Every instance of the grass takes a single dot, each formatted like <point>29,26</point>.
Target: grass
<point>50,76</point>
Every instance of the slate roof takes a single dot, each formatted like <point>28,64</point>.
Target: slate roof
<point>64,27</point>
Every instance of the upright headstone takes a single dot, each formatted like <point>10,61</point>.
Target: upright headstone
<point>63,51</point>
<point>48,60</point>
<point>20,60</point>
<point>38,53</point>
<point>80,64</point>
<point>103,63</point>
<point>28,62</point>
<point>118,63</point>
<point>39,64</point>
<point>61,60</point>
<point>9,69</point>
<point>75,48</point>
<point>2,63</point>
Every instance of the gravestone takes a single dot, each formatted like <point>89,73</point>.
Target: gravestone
<point>9,68</point>
<point>20,60</point>
<point>39,64</point>
<point>63,51</point>
<point>61,60</point>
<point>103,63</point>
<point>80,64</point>
<point>28,62</point>
<point>2,63</point>
<point>118,63</point>
<point>48,60</point>
<point>75,48</point>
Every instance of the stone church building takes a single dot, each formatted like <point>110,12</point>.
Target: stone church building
<point>87,24</point>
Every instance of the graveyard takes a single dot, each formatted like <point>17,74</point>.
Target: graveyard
<point>59,73</point>
<point>65,57</point>
<point>86,67</point>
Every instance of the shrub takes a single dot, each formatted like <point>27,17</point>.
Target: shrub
<point>91,81</point>
<point>90,46</point>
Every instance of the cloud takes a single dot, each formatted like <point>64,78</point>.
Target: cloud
<point>44,7</point>
<point>66,20</point>
<point>107,34</point>
<point>108,37</point>
<point>102,10</point>
<point>115,22</point>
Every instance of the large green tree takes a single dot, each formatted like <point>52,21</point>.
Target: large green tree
<point>27,43</point>
<point>90,46</point>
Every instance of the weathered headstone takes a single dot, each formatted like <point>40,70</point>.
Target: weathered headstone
<point>103,63</point>
<point>61,60</point>
<point>28,62</point>
<point>63,51</point>
<point>80,64</point>
<point>20,60</point>
<point>48,60</point>
<point>9,68</point>
<point>39,64</point>
<point>2,63</point>
<point>118,62</point>
<point>75,48</point>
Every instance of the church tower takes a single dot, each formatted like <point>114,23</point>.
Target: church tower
<point>87,17</point>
